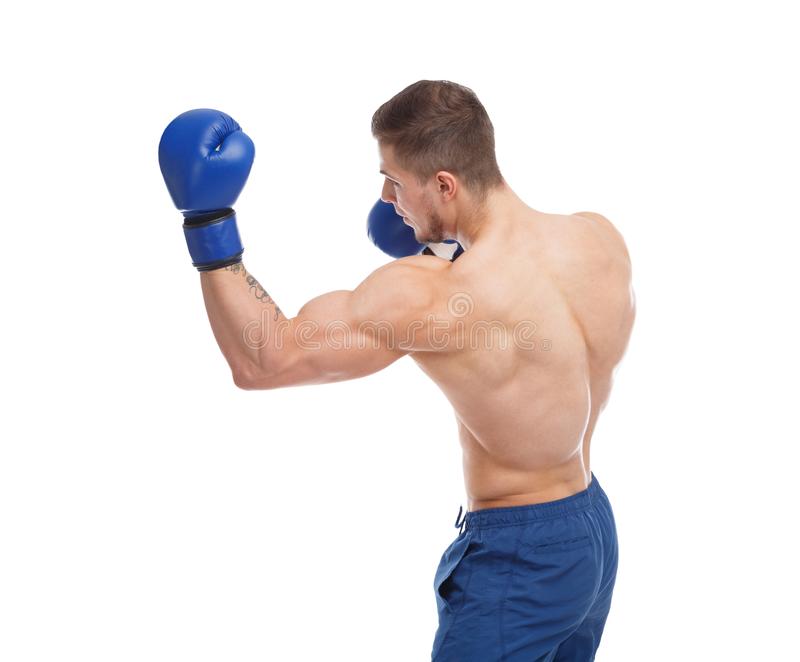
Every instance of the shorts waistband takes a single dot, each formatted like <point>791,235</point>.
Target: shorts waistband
<point>491,517</point>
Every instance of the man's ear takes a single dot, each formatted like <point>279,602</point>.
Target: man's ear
<point>446,184</point>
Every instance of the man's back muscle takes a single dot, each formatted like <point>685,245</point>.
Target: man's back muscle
<point>546,309</point>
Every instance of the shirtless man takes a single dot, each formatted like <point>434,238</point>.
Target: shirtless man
<point>522,331</point>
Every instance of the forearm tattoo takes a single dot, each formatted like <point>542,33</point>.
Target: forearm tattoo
<point>255,287</point>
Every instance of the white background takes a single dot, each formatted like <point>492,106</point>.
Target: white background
<point>150,510</point>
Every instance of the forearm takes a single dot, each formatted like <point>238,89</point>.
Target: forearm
<point>248,325</point>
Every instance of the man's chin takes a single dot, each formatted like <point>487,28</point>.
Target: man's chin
<point>428,239</point>
<point>420,240</point>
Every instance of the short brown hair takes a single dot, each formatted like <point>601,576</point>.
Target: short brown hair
<point>439,125</point>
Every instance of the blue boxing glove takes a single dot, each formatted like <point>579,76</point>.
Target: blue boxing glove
<point>390,233</point>
<point>205,159</point>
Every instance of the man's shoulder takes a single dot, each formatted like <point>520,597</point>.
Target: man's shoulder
<point>607,227</point>
<point>420,264</point>
<point>592,214</point>
<point>418,277</point>
<point>598,219</point>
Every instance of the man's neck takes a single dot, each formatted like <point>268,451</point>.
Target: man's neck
<point>501,207</point>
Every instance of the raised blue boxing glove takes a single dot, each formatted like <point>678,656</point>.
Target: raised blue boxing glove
<point>205,159</point>
<point>390,233</point>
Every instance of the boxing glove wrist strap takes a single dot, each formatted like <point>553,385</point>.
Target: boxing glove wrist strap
<point>213,239</point>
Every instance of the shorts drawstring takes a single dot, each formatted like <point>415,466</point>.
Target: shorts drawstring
<point>460,524</point>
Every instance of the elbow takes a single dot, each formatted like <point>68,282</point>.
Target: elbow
<point>243,381</point>
<point>248,378</point>
<point>282,371</point>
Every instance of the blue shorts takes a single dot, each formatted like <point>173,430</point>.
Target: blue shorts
<point>528,583</point>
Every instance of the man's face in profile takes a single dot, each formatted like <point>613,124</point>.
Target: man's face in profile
<point>413,202</point>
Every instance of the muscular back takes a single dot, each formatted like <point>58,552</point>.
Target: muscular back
<point>547,308</point>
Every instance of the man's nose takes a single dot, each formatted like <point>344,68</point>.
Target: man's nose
<point>387,193</point>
